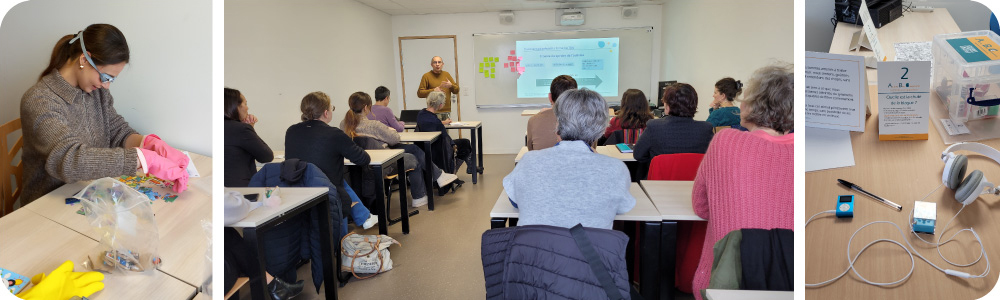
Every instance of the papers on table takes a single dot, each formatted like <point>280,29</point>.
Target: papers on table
<point>836,91</point>
<point>191,169</point>
<point>828,149</point>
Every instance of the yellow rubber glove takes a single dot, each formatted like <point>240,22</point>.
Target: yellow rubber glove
<point>63,284</point>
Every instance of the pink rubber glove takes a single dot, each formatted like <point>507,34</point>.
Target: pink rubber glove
<point>154,143</point>
<point>163,168</point>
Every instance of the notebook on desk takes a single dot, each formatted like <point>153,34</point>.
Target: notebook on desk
<point>409,116</point>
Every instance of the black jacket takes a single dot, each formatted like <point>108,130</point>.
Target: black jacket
<point>442,152</point>
<point>242,148</point>
<point>298,238</point>
<point>541,261</point>
<point>671,135</point>
<point>325,146</point>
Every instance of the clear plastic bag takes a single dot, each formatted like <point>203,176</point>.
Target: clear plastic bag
<point>123,218</point>
<point>206,288</point>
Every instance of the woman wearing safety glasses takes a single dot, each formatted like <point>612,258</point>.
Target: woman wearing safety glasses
<point>71,129</point>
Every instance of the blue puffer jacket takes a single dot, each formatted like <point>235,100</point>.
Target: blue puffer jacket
<point>298,238</point>
<point>544,262</point>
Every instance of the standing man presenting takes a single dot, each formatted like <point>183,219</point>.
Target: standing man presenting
<point>438,80</point>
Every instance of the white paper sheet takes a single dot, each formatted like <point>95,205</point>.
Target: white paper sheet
<point>191,170</point>
<point>828,149</point>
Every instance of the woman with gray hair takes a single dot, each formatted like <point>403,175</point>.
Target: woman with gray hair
<point>427,121</point>
<point>569,183</point>
<point>746,179</point>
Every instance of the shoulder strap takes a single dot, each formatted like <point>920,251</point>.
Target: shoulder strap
<point>582,241</point>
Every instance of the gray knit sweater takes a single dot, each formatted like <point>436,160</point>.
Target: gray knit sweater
<point>569,184</point>
<point>70,136</point>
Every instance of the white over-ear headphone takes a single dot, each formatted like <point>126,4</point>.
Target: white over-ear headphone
<point>967,188</point>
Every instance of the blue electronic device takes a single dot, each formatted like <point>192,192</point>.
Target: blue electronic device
<point>845,206</point>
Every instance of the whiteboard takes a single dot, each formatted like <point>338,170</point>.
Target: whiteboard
<point>496,85</point>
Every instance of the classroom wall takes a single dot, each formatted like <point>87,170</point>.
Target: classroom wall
<point>969,15</point>
<point>277,53</point>
<point>503,128</point>
<point>715,39</point>
<point>165,89</point>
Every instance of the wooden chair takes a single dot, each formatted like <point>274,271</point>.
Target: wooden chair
<point>9,192</point>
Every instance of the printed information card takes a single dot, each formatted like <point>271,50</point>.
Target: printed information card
<point>836,91</point>
<point>903,100</point>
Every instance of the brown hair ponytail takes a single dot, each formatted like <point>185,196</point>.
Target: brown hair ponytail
<point>106,44</point>
<point>357,103</point>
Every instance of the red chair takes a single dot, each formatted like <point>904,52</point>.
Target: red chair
<point>690,235</point>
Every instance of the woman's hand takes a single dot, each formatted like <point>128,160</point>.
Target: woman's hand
<point>446,122</point>
<point>250,119</point>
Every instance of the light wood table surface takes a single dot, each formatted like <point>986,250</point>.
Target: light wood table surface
<point>911,27</point>
<point>530,112</point>
<point>714,294</point>
<point>183,242</point>
<point>33,244</point>
<point>902,172</point>
<point>672,199</point>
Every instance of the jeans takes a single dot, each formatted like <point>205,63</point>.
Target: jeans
<point>359,212</point>
<point>413,158</point>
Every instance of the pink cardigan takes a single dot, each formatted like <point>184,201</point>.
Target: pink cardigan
<point>746,180</point>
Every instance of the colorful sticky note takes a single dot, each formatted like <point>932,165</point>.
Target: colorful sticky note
<point>519,58</point>
<point>486,74</point>
<point>511,52</point>
<point>493,76</point>
<point>486,59</point>
<point>480,69</point>
<point>505,65</point>
<point>493,65</point>
<point>496,58</point>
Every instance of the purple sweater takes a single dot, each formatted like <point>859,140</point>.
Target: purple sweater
<point>384,114</point>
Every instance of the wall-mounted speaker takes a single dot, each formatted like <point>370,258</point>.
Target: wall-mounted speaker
<point>630,12</point>
<point>506,17</point>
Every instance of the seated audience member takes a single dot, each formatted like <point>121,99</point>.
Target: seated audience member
<point>427,121</point>
<point>325,146</point>
<point>746,179</point>
<point>722,111</point>
<point>677,131</point>
<point>242,145</point>
<point>381,111</point>
<point>356,124</point>
<point>569,183</point>
<point>632,116</point>
<point>542,126</point>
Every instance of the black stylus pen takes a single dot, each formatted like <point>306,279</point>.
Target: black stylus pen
<point>880,199</point>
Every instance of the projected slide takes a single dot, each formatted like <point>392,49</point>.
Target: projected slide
<point>592,62</point>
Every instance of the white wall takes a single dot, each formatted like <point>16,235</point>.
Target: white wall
<point>715,39</point>
<point>969,15</point>
<point>503,128</point>
<point>165,89</point>
<point>276,53</point>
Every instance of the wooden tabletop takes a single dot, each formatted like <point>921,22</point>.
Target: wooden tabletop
<point>379,157</point>
<point>290,198</point>
<point>672,199</point>
<point>902,172</point>
<point>520,154</point>
<point>911,27</point>
<point>183,242</point>
<point>714,294</point>
<point>465,125</point>
<point>611,150</point>
<point>418,136</point>
<point>530,112</point>
<point>643,210</point>
<point>33,244</point>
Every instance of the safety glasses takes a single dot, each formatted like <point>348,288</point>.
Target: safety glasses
<point>104,76</point>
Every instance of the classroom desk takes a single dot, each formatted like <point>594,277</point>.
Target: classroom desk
<point>33,244</point>
<point>713,294</point>
<point>380,159</point>
<point>530,112</point>
<point>903,172</point>
<point>673,200</point>
<point>182,240</point>
<point>294,201</point>
<point>202,296</point>
<point>911,27</point>
<point>608,150</point>
<point>644,213</point>
<point>424,140</point>
<point>476,128</point>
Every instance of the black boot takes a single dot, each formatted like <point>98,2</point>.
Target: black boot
<point>281,290</point>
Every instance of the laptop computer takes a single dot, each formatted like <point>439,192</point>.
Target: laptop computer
<point>409,116</point>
